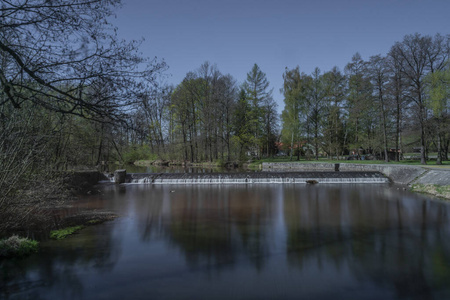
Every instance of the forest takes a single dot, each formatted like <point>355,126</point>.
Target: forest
<point>73,95</point>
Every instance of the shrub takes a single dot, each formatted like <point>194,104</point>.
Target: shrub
<point>138,152</point>
<point>17,246</point>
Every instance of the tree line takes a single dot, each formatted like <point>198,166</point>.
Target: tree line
<point>385,104</point>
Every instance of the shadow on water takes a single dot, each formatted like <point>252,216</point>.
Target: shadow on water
<point>246,241</point>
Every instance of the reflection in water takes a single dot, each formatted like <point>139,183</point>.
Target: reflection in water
<point>246,241</point>
<point>214,225</point>
<point>57,271</point>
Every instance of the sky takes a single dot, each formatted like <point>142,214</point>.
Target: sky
<point>276,35</point>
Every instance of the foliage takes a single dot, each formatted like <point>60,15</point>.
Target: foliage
<point>138,152</point>
<point>439,90</point>
<point>63,233</point>
<point>17,246</point>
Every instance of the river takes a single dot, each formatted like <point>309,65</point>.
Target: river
<point>267,241</point>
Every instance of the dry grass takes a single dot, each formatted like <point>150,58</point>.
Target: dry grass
<point>442,191</point>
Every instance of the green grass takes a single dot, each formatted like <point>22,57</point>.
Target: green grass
<point>16,246</point>
<point>256,163</point>
<point>63,233</point>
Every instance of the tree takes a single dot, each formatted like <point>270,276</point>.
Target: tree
<point>55,50</point>
<point>397,89</point>
<point>316,103</point>
<point>270,121</point>
<point>256,87</point>
<point>420,55</point>
<point>293,91</point>
<point>379,76</point>
<point>335,93</point>
<point>242,128</point>
<point>359,100</point>
<point>203,106</point>
<point>226,95</point>
<point>438,101</point>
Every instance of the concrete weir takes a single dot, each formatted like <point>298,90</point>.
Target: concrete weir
<point>258,177</point>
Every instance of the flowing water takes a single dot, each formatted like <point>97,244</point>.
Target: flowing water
<point>267,241</point>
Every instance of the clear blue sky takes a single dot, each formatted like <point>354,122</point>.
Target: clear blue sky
<point>274,34</point>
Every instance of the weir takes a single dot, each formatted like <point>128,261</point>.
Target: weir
<point>257,178</point>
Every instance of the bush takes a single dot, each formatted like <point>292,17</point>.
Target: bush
<point>17,246</point>
<point>138,152</point>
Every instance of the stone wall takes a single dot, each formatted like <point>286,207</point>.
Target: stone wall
<point>81,182</point>
<point>440,177</point>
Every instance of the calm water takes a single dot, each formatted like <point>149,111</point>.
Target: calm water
<point>246,242</point>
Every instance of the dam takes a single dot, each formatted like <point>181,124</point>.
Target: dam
<point>305,177</point>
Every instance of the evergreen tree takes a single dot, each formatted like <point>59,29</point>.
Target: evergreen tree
<point>256,87</point>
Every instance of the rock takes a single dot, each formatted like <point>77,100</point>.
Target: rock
<point>312,181</point>
<point>119,176</point>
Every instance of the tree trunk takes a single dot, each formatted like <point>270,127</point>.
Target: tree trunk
<point>383,118</point>
<point>439,154</point>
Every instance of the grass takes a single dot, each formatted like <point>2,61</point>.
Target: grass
<point>95,222</point>
<point>63,233</point>
<point>255,164</point>
<point>16,246</point>
<point>442,191</point>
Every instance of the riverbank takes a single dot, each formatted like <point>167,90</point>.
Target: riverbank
<point>430,180</point>
<point>52,208</point>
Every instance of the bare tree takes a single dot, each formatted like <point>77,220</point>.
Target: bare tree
<point>56,49</point>
<point>397,89</point>
<point>379,76</point>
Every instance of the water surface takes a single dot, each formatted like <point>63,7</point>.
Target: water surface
<point>246,242</point>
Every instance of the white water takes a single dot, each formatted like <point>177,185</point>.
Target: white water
<point>227,180</point>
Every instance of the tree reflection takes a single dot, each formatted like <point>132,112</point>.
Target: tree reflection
<point>366,231</point>
<point>268,237</point>
<point>213,225</point>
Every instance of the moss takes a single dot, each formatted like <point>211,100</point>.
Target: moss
<point>62,233</point>
<point>16,246</point>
